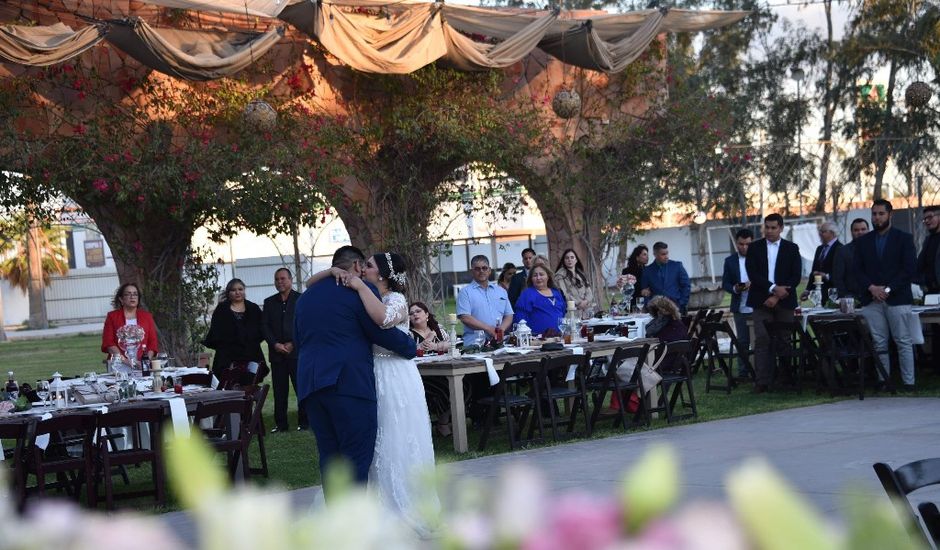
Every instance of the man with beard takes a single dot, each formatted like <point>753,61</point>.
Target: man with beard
<point>884,265</point>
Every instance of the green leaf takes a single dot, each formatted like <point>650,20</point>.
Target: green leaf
<point>775,516</point>
<point>194,477</point>
<point>651,487</point>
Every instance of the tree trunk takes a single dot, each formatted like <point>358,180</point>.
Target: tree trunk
<point>829,113</point>
<point>37,299</point>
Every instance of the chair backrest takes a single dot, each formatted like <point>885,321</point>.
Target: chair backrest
<point>696,321</point>
<point>557,367</point>
<point>77,421</point>
<point>678,356</point>
<point>258,398</point>
<point>931,517</point>
<point>224,408</point>
<point>637,353</point>
<point>197,378</point>
<point>23,433</point>
<point>900,482</point>
<point>844,337</point>
<point>149,413</point>
<point>714,316</point>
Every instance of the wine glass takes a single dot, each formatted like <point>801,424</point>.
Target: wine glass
<point>834,295</point>
<point>627,291</point>
<point>815,296</point>
<point>640,302</point>
<point>42,391</point>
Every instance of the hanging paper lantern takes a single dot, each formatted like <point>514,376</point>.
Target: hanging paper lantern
<point>567,103</point>
<point>917,94</point>
<point>259,115</point>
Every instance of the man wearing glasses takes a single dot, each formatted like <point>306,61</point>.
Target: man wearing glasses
<point>482,305</point>
<point>928,270</point>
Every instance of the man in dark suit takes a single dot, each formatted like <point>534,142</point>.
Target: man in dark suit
<point>843,269</point>
<point>735,281</point>
<point>518,281</point>
<point>824,258</point>
<point>885,267</point>
<point>928,271</point>
<point>335,378</point>
<point>775,268</point>
<point>278,329</point>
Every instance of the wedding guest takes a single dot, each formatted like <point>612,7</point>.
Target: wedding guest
<point>235,333</point>
<point>481,305</point>
<point>431,337</point>
<point>735,281</point>
<point>541,304</point>
<point>666,325</point>
<point>636,263</point>
<point>126,304</point>
<point>278,330</point>
<point>843,269</point>
<point>506,275</point>
<point>522,275</point>
<point>573,283</point>
<point>665,277</point>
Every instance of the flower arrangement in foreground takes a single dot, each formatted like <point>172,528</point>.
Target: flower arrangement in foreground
<point>516,513</point>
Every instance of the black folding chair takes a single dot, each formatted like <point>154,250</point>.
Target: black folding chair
<point>846,350</point>
<point>599,382</point>
<point>931,518</point>
<point>793,354</point>
<point>717,360</point>
<point>518,393</point>
<point>676,371</point>
<point>22,433</point>
<point>555,373</point>
<point>901,482</point>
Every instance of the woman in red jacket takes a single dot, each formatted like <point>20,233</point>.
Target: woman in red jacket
<point>127,312</point>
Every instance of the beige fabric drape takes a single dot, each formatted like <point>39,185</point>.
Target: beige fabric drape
<point>188,54</point>
<point>262,8</point>
<point>42,46</point>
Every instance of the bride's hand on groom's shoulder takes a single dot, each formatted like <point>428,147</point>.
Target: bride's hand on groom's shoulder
<point>342,276</point>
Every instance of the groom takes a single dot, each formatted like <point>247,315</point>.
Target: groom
<point>335,378</point>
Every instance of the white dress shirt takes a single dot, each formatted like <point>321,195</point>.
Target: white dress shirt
<point>773,249</point>
<point>743,308</point>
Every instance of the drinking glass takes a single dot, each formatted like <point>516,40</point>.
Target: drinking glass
<point>627,291</point>
<point>640,302</point>
<point>834,295</point>
<point>42,391</point>
<point>90,378</point>
<point>480,337</point>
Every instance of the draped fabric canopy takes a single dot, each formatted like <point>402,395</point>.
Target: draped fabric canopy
<point>369,35</point>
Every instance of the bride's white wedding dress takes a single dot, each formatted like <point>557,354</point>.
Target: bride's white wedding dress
<point>403,448</point>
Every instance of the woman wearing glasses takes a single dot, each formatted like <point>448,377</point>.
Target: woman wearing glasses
<point>127,311</point>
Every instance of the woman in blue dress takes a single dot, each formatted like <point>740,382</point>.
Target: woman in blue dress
<point>541,304</point>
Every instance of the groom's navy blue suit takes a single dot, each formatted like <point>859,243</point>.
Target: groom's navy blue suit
<point>335,378</point>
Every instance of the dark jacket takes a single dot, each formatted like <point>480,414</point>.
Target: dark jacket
<point>789,272</point>
<point>895,268</point>
<point>730,276</point>
<point>825,265</point>
<point>843,271</point>
<point>234,339</point>
<point>928,268</point>
<point>670,280</point>
<point>334,336</point>
<point>516,285</point>
<point>278,325</point>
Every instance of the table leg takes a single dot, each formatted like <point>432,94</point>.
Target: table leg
<point>458,413</point>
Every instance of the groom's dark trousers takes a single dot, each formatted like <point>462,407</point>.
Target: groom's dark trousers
<point>335,377</point>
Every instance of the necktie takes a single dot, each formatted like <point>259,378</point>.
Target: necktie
<point>825,250</point>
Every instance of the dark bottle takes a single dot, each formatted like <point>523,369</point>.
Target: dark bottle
<point>12,389</point>
<point>145,364</point>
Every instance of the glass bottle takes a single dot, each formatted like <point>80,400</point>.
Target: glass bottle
<point>12,388</point>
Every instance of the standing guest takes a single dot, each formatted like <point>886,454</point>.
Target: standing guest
<point>928,263</point>
<point>843,271</point>
<point>735,281</point>
<point>481,305</point>
<point>235,334</point>
<point>824,258</point>
<point>775,268</point>
<point>278,330</point>
<point>636,263</point>
<point>665,277</point>
<point>430,337</point>
<point>573,283</point>
<point>541,304</point>
<point>506,275</point>
<point>126,304</point>
<point>928,270</point>
<point>885,267</point>
<point>522,275</point>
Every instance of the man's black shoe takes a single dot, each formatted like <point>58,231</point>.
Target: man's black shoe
<point>278,430</point>
<point>907,388</point>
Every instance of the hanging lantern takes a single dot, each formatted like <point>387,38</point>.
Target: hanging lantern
<point>567,104</point>
<point>259,115</point>
<point>917,94</point>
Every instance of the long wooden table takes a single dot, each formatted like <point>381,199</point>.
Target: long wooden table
<point>455,369</point>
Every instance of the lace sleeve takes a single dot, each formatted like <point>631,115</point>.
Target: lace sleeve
<point>396,310</point>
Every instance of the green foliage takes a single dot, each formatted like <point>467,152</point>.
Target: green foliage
<point>14,263</point>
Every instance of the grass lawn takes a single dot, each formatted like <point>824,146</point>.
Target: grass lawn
<point>292,455</point>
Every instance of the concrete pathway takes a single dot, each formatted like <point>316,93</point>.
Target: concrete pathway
<point>65,330</point>
<point>825,451</point>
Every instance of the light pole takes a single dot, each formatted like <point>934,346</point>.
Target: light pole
<point>797,75</point>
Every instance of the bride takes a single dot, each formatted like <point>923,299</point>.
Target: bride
<point>403,448</point>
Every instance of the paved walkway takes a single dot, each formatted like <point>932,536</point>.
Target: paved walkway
<point>825,451</point>
<point>65,330</point>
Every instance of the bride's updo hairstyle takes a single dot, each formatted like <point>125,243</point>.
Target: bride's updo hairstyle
<point>392,268</point>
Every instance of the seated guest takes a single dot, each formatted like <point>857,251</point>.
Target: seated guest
<point>666,325</point>
<point>573,283</point>
<point>541,304</point>
<point>126,304</point>
<point>235,334</point>
<point>429,336</point>
<point>505,276</point>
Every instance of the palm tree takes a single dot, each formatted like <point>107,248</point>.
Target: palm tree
<point>38,243</point>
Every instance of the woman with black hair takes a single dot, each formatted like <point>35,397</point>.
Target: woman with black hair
<point>235,334</point>
<point>573,283</point>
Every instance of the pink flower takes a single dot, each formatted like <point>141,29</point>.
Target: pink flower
<point>580,521</point>
<point>101,185</point>
<point>138,247</point>
<point>140,198</point>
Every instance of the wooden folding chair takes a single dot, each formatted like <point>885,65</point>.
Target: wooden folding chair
<point>601,382</point>
<point>109,456</point>
<point>71,469</point>
<point>901,482</point>
<point>22,433</point>
<point>234,443</point>
<point>555,373</point>
<point>518,393</point>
